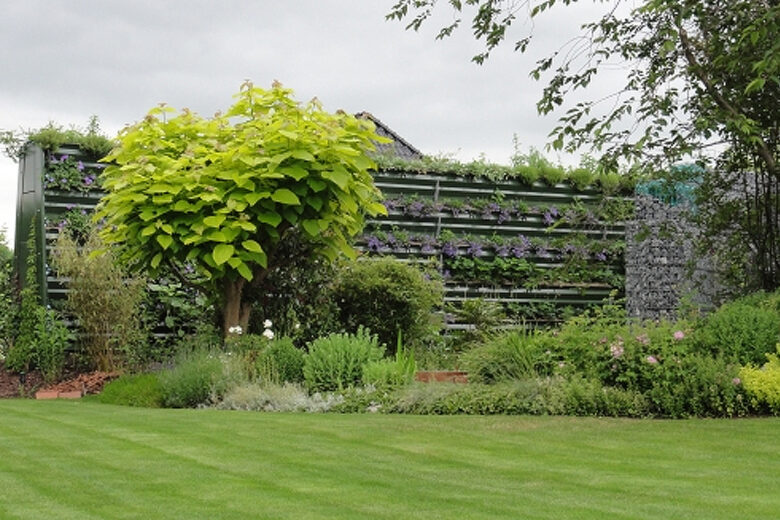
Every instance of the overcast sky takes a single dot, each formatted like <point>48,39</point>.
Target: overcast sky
<point>64,61</point>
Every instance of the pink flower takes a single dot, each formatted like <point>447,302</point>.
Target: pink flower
<point>678,335</point>
<point>736,381</point>
<point>643,339</point>
<point>652,360</point>
<point>616,349</point>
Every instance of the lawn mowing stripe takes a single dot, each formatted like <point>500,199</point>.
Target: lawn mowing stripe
<point>397,467</point>
<point>80,461</point>
<point>191,495</point>
<point>191,458</point>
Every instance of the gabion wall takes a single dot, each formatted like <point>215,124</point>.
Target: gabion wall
<point>661,267</point>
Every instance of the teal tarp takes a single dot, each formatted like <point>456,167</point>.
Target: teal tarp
<point>678,189</point>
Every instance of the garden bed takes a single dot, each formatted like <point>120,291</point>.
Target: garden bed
<point>12,386</point>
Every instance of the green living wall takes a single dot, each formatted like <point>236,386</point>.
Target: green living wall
<point>541,249</point>
<point>55,189</point>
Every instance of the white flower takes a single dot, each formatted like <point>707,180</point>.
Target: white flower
<point>268,333</point>
<point>297,326</point>
<point>235,329</point>
<point>267,324</point>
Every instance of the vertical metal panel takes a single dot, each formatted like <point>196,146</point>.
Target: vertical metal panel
<point>29,210</point>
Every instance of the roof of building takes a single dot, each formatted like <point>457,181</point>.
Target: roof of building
<point>400,147</point>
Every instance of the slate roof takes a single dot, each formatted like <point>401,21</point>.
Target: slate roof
<point>399,147</point>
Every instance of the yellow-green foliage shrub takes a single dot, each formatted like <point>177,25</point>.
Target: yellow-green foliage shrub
<point>763,384</point>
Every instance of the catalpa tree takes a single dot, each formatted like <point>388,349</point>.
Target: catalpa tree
<point>212,200</point>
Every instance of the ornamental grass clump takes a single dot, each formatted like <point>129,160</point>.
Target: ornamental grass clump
<point>336,362</point>
<point>104,300</point>
<point>517,354</point>
<point>388,374</point>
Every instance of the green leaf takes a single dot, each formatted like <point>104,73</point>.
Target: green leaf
<point>271,218</point>
<point>162,199</point>
<point>164,240</point>
<point>182,205</point>
<point>376,208</point>
<point>303,155</point>
<point>214,220</point>
<point>244,271</point>
<point>148,214</point>
<point>251,245</point>
<point>222,253</point>
<point>258,258</point>
<point>156,259</point>
<point>290,215</point>
<point>278,158</point>
<point>246,226</point>
<point>317,185</point>
<point>252,198</point>
<point>296,172</point>
<point>339,177</point>
<point>755,85</point>
<point>149,230</point>
<point>285,196</point>
<point>217,236</point>
<point>314,202</point>
<point>311,227</point>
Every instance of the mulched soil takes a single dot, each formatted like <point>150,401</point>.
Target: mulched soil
<point>89,383</point>
<point>11,385</point>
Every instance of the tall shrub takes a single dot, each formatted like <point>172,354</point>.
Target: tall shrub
<point>8,309</point>
<point>21,355</point>
<point>743,330</point>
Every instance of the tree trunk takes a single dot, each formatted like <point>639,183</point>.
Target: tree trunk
<point>243,318</point>
<point>231,305</point>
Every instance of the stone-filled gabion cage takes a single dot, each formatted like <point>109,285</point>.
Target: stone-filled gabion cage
<point>662,267</point>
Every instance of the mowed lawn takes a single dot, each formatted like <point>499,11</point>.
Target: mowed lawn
<point>82,460</point>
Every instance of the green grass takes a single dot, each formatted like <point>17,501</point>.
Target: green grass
<point>85,460</point>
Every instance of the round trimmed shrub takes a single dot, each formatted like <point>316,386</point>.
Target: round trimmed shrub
<point>386,296</point>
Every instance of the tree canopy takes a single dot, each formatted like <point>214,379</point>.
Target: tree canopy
<point>212,199</point>
<point>702,83</point>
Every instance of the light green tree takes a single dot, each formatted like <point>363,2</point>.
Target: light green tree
<point>211,200</point>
